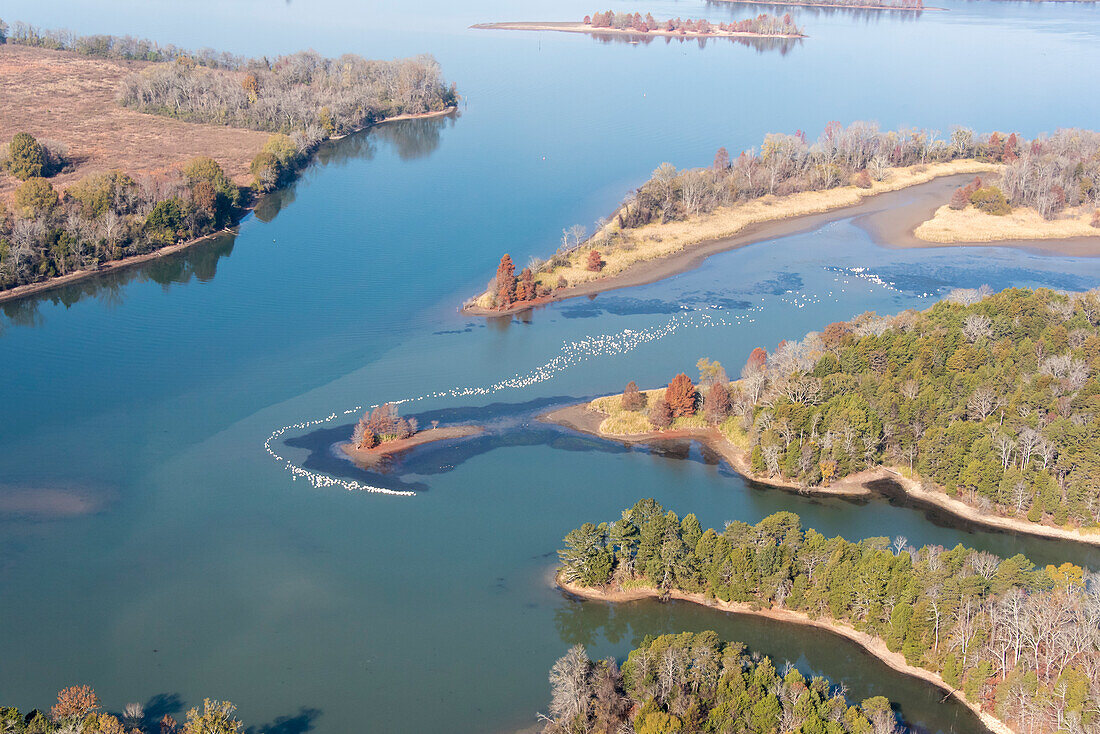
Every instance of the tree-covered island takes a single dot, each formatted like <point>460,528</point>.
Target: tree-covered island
<point>1015,643</point>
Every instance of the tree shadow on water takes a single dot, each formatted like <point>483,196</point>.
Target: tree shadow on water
<point>299,723</point>
<point>161,705</point>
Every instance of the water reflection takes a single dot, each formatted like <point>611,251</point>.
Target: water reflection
<point>737,10</point>
<point>761,45</point>
<point>198,262</point>
<point>615,629</point>
<point>514,425</point>
<point>410,139</point>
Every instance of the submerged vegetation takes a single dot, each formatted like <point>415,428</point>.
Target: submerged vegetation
<point>698,682</point>
<point>1019,641</point>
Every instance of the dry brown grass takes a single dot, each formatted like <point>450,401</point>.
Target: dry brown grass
<point>971,225</point>
<point>655,241</point>
<point>70,98</point>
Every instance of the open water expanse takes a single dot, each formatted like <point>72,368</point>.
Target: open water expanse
<point>201,567</point>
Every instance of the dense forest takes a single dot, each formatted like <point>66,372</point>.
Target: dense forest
<point>105,217</point>
<point>78,711</point>
<point>108,216</point>
<point>763,24</point>
<point>992,397</point>
<point>697,682</point>
<point>1021,642</point>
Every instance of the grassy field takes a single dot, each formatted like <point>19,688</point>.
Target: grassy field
<point>70,98</point>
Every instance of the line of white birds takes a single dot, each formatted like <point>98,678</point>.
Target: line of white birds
<point>572,353</point>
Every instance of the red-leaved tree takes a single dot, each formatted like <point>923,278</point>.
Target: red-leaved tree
<point>506,282</point>
<point>755,362</point>
<point>680,396</point>
<point>660,413</point>
<point>525,288</point>
<point>716,405</point>
<point>595,261</point>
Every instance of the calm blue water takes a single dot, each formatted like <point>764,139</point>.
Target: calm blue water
<point>208,572</point>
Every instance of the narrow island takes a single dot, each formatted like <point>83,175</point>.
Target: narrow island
<point>910,5</point>
<point>78,709</point>
<point>634,24</point>
<point>679,217</point>
<point>115,150</point>
<point>381,433</point>
<point>698,682</point>
<point>984,405</point>
<point>1005,638</point>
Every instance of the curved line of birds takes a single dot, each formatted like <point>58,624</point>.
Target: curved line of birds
<point>571,354</point>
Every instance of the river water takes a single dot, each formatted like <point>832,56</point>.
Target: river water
<point>204,569</point>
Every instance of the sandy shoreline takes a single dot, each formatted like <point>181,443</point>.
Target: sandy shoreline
<point>571,27</point>
<point>580,418</point>
<point>890,217</point>
<point>30,289</point>
<point>873,645</point>
<point>375,456</point>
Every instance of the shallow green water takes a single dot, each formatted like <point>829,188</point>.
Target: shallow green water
<point>209,572</point>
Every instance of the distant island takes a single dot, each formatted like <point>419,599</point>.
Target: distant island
<point>163,146</point>
<point>854,4</point>
<point>381,432</point>
<point>677,217</point>
<point>983,405</point>
<point>634,24</point>
<point>698,682</point>
<point>957,618</point>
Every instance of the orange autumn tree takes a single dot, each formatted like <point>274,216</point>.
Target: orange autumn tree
<point>595,261</point>
<point>73,704</point>
<point>506,282</point>
<point>680,396</point>
<point>525,288</point>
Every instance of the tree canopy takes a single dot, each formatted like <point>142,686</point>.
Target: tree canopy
<point>1014,637</point>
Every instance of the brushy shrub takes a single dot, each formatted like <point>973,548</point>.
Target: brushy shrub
<point>862,179</point>
<point>991,200</point>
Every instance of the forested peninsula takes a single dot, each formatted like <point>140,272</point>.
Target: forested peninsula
<point>698,682</point>
<point>78,709</point>
<point>629,24</point>
<point>661,226</point>
<point>57,225</point>
<point>985,405</point>
<point>1015,643</point>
